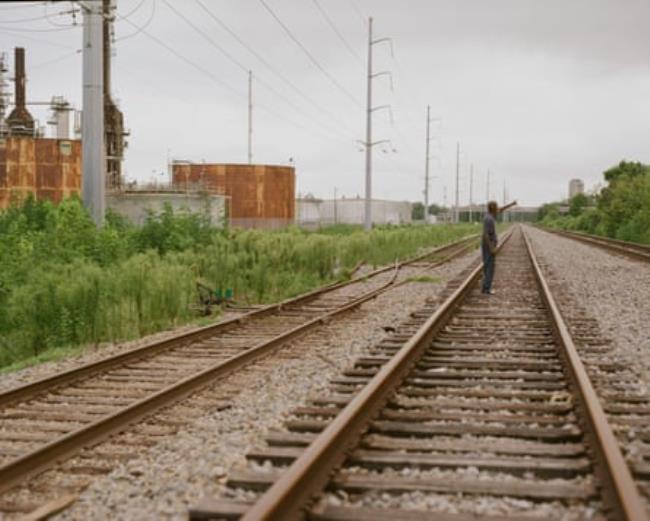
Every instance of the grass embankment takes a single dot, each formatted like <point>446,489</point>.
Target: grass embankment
<point>64,283</point>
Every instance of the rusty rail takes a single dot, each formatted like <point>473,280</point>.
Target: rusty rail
<point>291,495</point>
<point>630,249</point>
<point>48,455</point>
<point>24,392</point>
<point>308,474</point>
<point>620,491</point>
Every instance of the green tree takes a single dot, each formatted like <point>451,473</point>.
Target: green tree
<point>435,209</point>
<point>417,211</point>
<point>628,169</point>
<point>577,203</point>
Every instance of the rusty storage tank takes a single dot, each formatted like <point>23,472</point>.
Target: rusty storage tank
<point>46,168</point>
<point>262,196</point>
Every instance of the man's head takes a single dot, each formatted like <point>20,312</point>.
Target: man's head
<point>493,207</point>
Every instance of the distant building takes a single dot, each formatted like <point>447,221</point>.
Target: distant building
<point>312,212</point>
<point>477,212</point>
<point>576,186</point>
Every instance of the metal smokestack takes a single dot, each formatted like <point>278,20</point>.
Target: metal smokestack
<point>20,121</point>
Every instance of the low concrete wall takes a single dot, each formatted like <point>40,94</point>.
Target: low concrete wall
<point>136,205</point>
<point>317,212</point>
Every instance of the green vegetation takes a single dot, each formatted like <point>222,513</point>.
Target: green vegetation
<point>620,211</point>
<point>64,283</point>
<point>417,210</point>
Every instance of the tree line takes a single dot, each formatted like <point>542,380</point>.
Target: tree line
<point>621,210</point>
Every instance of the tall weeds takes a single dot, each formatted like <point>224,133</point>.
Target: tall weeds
<point>65,283</point>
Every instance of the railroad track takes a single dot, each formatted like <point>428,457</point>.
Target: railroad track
<point>630,249</point>
<point>53,419</point>
<point>478,409</point>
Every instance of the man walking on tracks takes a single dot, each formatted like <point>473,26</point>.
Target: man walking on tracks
<point>489,244</point>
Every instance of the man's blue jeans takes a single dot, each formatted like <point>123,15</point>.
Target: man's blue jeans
<point>488,268</point>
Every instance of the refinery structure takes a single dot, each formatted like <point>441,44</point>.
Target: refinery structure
<point>62,160</point>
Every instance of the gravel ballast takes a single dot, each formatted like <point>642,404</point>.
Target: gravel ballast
<point>614,291</point>
<point>168,477</point>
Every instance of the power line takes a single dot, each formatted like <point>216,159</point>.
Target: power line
<point>356,9</point>
<point>236,62</point>
<point>218,81</point>
<point>56,60</point>
<point>140,28</point>
<point>331,78</point>
<point>27,30</point>
<point>210,40</point>
<point>18,34</point>
<point>33,18</point>
<point>189,62</point>
<point>271,68</point>
<point>21,6</point>
<point>331,23</point>
<point>136,8</point>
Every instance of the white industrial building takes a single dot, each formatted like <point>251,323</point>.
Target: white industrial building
<point>312,212</point>
<point>576,186</point>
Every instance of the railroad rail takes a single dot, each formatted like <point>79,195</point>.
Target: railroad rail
<point>483,400</point>
<point>52,419</point>
<point>631,249</point>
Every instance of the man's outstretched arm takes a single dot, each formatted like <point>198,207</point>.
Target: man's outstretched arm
<point>504,208</point>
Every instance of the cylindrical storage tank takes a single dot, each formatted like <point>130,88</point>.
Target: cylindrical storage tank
<point>261,196</point>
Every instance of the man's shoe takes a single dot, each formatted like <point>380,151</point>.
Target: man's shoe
<point>491,292</point>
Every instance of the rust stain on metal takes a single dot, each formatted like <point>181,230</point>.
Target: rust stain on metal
<point>46,168</point>
<point>257,192</point>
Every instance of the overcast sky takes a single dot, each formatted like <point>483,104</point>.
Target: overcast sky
<point>536,91</point>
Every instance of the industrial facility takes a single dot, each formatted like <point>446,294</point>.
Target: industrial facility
<point>30,163</point>
<point>313,213</point>
<point>261,196</point>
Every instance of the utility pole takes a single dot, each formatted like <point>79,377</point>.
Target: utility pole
<point>368,202</point>
<point>92,127</point>
<point>444,198</point>
<point>471,186</point>
<point>426,168</point>
<point>456,212</point>
<point>336,217</point>
<point>487,188</point>
<point>368,144</point>
<point>250,117</point>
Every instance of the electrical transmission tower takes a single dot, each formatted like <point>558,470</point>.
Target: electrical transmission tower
<point>369,143</point>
